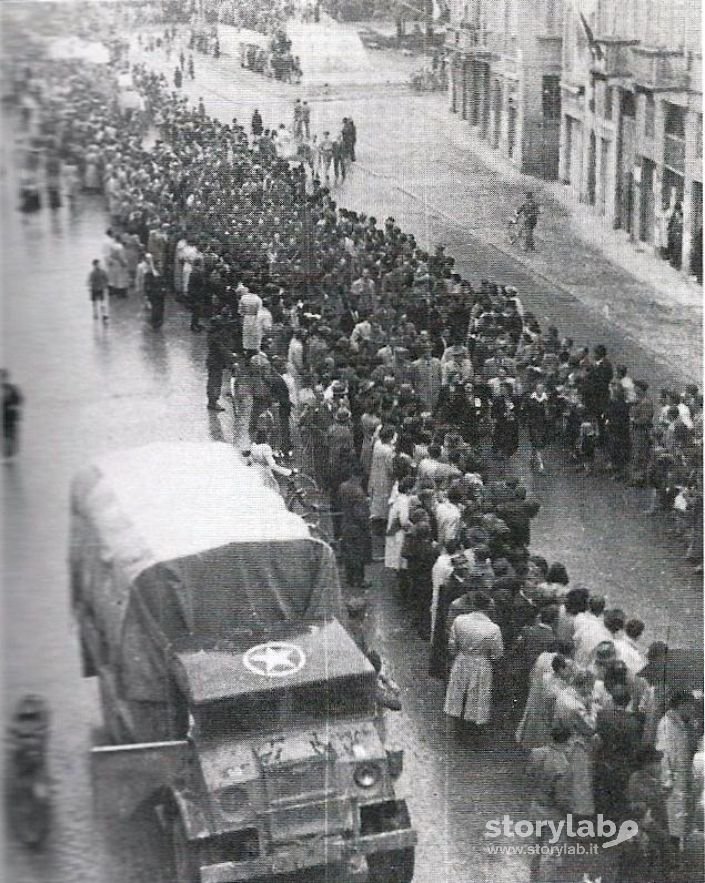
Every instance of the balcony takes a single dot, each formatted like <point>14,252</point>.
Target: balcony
<point>615,62</point>
<point>660,70</point>
<point>674,153</point>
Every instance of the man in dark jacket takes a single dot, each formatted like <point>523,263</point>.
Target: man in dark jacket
<point>596,388</point>
<point>217,358</point>
<point>505,427</point>
<point>355,540</point>
<point>197,294</point>
<point>349,134</point>
<point>257,127</point>
<point>279,392</point>
<point>533,640</point>
<point>619,733</point>
<point>517,515</point>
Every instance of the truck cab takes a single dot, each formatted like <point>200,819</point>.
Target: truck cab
<point>289,773</point>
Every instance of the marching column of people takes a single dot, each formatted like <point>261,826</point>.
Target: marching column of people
<point>410,390</point>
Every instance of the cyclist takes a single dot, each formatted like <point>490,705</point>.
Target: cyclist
<point>528,212</point>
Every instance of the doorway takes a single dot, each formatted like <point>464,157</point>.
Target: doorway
<point>511,128</point>
<point>648,203</point>
<point>497,113</point>
<point>592,170</point>
<point>604,160</point>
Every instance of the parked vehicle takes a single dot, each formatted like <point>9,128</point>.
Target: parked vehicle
<point>237,701</point>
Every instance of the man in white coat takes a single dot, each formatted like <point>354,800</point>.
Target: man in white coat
<point>673,741</point>
<point>475,642</point>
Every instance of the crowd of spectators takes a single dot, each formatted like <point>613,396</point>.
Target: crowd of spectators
<point>410,390</point>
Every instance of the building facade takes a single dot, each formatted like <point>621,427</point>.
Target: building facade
<point>631,119</point>
<point>504,77</point>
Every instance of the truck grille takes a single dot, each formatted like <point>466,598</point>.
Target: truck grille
<point>299,783</point>
<point>321,819</point>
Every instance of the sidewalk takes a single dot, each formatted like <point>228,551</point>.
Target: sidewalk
<point>636,258</point>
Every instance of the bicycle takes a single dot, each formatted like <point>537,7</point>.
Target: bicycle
<point>516,232</point>
<point>298,490</point>
<point>303,497</point>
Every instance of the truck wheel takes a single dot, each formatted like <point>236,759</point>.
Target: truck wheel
<point>394,866</point>
<point>185,856</point>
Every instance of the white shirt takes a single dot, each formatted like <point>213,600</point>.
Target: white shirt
<point>362,331</point>
<point>448,518</point>
<point>264,320</point>
<point>440,572</point>
<point>295,356</point>
<point>629,654</point>
<point>589,632</point>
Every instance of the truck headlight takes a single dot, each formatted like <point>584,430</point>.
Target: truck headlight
<point>366,775</point>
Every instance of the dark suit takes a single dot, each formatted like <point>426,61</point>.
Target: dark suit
<point>596,392</point>
<point>355,540</point>
<point>517,515</point>
<point>620,736</point>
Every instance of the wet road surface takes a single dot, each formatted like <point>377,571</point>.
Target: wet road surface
<point>91,389</point>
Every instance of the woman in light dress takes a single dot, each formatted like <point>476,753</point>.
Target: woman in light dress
<point>534,729</point>
<point>397,524</point>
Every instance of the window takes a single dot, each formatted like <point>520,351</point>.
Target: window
<point>628,104</point>
<point>649,115</point>
<point>699,137</point>
<point>608,102</point>
<point>675,120</point>
<point>551,97</point>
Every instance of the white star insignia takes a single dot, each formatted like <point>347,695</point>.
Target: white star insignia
<point>274,660</point>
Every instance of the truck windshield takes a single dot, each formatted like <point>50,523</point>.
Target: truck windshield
<point>283,709</point>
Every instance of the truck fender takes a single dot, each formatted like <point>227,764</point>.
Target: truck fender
<point>124,776</point>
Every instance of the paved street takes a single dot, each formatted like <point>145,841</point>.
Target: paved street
<point>91,389</point>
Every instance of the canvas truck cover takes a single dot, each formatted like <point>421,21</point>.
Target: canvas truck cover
<point>174,540</point>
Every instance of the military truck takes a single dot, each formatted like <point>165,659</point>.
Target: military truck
<point>235,700</point>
